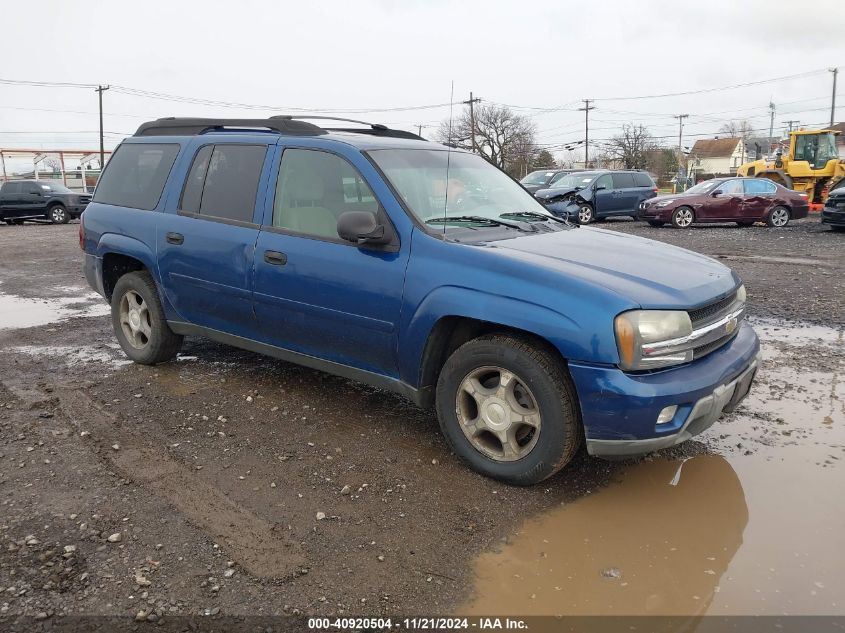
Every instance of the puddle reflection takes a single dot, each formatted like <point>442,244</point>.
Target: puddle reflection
<point>656,543</point>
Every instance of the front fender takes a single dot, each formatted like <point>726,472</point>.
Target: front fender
<point>563,332</point>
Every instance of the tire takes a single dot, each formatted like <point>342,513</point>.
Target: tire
<point>838,229</point>
<point>586,214</point>
<point>546,396</point>
<point>655,223</point>
<point>683,217</point>
<point>778,217</point>
<point>147,339</point>
<point>58,214</point>
<point>745,224</point>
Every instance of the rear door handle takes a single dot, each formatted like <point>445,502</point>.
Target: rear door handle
<point>175,238</point>
<point>275,258</point>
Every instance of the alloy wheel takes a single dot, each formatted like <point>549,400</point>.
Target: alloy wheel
<point>498,414</point>
<point>135,320</point>
<point>780,217</point>
<point>585,214</point>
<point>683,217</point>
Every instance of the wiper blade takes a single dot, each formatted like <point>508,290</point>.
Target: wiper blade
<point>478,219</point>
<point>533,214</point>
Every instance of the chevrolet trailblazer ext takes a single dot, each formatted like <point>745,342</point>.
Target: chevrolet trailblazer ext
<point>372,254</point>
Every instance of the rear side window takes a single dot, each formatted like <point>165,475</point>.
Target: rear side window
<point>12,187</point>
<point>223,181</point>
<point>622,181</point>
<point>759,186</point>
<point>135,175</point>
<point>643,180</point>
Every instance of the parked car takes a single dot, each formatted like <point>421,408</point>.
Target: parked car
<point>334,250</point>
<point>833,212</point>
<point>590,195</point>
<point>22,200</point>
<point>741,200</point>
<point>543,178</point>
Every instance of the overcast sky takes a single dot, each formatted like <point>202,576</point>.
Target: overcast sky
<point>379,54</point>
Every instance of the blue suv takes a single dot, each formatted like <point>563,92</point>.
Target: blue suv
<point>591,195</point>
<point>377,256</point>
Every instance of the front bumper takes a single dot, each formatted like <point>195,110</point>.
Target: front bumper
<point>835,217</point>
<point>620,410</point>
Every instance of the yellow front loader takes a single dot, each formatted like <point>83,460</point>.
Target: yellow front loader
<point>812,165</point>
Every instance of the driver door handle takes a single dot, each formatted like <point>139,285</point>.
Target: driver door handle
<point>275,258</point>
<point>175,238</point>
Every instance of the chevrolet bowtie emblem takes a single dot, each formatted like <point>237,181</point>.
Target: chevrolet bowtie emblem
<point>730,326</point>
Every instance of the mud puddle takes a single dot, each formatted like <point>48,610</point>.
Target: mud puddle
<point>20,312</point>
<point>756,529</point>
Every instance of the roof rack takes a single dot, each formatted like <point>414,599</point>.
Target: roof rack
<point>187,126</point>
<point>374,129</point>
<point>293,125</point>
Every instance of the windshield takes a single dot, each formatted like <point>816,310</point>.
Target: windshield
<point>537,177</point>
<point>578,179</point>
<point>53,187</point>
<point>475,188</point>
<point>704,187</point>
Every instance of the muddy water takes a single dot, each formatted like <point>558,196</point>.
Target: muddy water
<point>19,312</point>
<point>754,526</point>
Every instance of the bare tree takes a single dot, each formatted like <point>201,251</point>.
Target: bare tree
<point>631,147</point>
<point>502,137</point>
<point>737,129</point>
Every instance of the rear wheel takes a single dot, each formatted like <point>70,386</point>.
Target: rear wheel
<point>778,217</point>
<point>683,217</point>
<point>58,214</point>
<point>655,223</point>
<point>139,322</point>
<point>507,407</point>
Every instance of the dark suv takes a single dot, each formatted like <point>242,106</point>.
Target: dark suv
<point>589,195</point>
<point>378,256</point>
<point>543,178</point>
<point>40,200</point>
<point>833,213</point>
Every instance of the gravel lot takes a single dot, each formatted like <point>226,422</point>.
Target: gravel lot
<point>230,483</point>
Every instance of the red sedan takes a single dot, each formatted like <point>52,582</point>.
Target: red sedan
<point>741,200</point>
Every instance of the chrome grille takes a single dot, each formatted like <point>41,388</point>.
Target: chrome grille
<point>712,312</point>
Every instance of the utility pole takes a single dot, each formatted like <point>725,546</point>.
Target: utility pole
<point>790,123</point>
<point>681,168</point>
<point>100,90</point>
<point>472,116</point>
<point>835,72</point>
<point>586,110</point>
<point>771,126</point>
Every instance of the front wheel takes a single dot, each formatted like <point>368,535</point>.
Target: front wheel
<point>58,215</point>
<point>585,214</point>
<point>507,407</point>
<point>682,217</point>
<point>778,217</point>
<point>139,322</point>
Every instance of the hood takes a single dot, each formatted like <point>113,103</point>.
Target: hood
<point>649,273</point>
<point>547,194</point>
<point>672,196</point>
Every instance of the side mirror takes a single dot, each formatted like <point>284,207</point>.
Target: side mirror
<point>361,227</point>
<point>716,193</point>
<point>600,187</point>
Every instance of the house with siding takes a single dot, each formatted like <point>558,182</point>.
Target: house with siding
<point>716,157</point>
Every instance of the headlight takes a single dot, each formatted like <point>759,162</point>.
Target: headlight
<point>664,203</point>
<point>740,294</point>
<point>638,329</point>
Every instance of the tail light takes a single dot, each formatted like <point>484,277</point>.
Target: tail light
<point>803,195</point>
<point>656,190</point>
<point>82,231</point>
